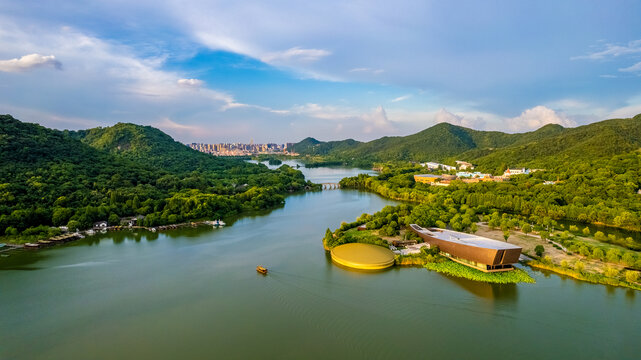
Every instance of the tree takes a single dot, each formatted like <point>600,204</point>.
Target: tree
<point>73,225</point>
<point>586,231</point>
<point>526,228</point>
<point>579,266</point>
<point>628,259</point>
<point>599,235</point>
<point>506,234</point>
<point>114,219</point>
<point>10,231</point>
<point>539,250</point>
<point>631,276</point>
<point>544,235</point>
<point>598,254</point>
<point>564,263</point>
<point>474,228</point>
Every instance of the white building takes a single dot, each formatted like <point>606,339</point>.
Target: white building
<point>464,165</point>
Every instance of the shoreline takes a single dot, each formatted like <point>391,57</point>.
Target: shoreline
<point>46,243</point>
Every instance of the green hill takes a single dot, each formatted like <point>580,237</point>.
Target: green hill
<point>311,146</point>
<point>492,150</point>
<point>151,146</point>
<point>50,177</point>
<point>597,140</point>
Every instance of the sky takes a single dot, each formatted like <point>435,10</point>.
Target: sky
<point>279,71</point>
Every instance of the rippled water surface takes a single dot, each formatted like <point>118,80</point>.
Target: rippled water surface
<point>194,293</point>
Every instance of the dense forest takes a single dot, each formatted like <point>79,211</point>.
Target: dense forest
<point>603,191</point>
<point>54,178</point>
<point>491,151</point>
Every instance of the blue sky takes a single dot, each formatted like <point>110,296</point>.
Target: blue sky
<point>278,71</point>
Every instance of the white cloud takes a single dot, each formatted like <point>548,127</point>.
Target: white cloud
<point>295,54</point>
<point>29,62</point>
<point>465,120</point>
<point>325,112</point>
<point>171,126</point>
<point>401,98</point>
<point>367,70</point>
<point>613,50</point>
<point>536,117</point>
<point>377,121</point>
<point>634,68</point>
<point>191,83</point>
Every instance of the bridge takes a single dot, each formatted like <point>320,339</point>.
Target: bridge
<point>331,186</point>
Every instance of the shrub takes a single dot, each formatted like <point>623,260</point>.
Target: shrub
<point>579,266</point>
<point>611,272</point>
<point>539,250</point>
<point>631,276</point>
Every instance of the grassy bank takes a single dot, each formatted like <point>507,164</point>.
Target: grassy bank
<point>455,269</point>
<point>584,276</point>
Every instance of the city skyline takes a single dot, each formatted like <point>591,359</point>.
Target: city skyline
<point>281,72</point>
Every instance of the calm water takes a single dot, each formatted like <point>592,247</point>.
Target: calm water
<point>194,293</point>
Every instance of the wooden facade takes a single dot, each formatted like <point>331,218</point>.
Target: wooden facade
<point>474,251</point>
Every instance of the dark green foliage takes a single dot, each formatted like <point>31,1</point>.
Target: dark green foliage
<point>50,177</point>
<point>539,250</point>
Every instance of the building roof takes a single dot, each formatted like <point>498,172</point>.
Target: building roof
<point>465,239</point>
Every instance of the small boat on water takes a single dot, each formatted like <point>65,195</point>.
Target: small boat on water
<point>90,232</point>
<point>31,245</point>
<point>261,269</point>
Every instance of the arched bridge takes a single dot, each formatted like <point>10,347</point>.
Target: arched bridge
<point>331,186</point>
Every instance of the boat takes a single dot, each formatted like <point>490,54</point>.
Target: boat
<point>90,232</point>
<point>31,246</point>
<point>221,223</point>
<point>261,269</point>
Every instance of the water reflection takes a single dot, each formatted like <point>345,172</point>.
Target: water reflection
<point>503,292</point>
<point>22,260</point>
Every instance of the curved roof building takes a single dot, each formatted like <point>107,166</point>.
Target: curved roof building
<point>474,251</point>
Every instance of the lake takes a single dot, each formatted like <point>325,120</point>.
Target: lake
<point>194,293</point>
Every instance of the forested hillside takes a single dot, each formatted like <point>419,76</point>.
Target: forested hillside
<point>151,146</point>
<point>50,177</point>
<point>491,150</point>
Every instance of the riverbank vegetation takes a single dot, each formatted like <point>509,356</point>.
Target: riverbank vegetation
<point>611,277</point>
<point>51,178</point>
<point>455,269</point>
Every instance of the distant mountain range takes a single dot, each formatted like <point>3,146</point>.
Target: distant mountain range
<point>491,150</point>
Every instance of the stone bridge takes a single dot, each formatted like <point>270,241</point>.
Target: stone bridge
<point>331,186</point>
